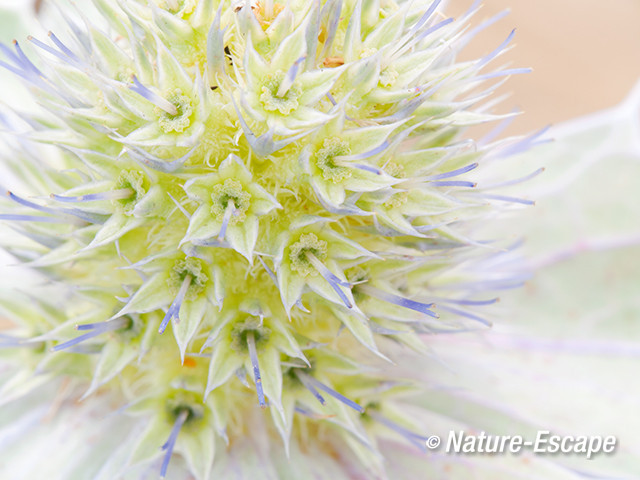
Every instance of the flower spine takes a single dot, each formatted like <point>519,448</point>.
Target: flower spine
<point>244,204</point>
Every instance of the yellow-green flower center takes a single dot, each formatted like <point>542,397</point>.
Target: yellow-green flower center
<point>325,159</point>
<point>182,401</point>
<point>223,194</point>
<point>242,329</point>
<point>284,103</point>
<point>192,267</point>
<point>132,180</point>
<point>308,243</point>
<point>396,200</point>
<point>181,120</point>
<point>388,77</point>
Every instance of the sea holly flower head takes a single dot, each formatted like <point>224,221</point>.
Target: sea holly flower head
<point>251,204</point>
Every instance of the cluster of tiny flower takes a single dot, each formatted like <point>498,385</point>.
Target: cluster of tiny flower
<point>281,185</point>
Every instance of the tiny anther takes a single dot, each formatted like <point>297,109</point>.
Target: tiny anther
<point>331,62</point>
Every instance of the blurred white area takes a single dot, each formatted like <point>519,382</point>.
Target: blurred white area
<point>563,354</point>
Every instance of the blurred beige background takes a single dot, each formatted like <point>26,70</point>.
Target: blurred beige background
<point>585,54</point>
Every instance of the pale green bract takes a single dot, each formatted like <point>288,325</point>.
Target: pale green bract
<point>286,188</point>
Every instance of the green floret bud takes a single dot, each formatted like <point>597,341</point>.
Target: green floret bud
<point>395,169</point>
<point>137,183</point>
<point>396,200</point>
<point>181,401</point>
<point>223,194</point>
<point>286,103</point>
<point>192,267</point>
<point>308,243</point>
<point>178,7</point>
<point>242,329</point>
<point>325,159</point>
<point>357,274</point>
<point>181,120</point>
<point>388,77</point>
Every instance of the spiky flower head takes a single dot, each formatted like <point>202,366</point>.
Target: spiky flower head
<point>245,204</point>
